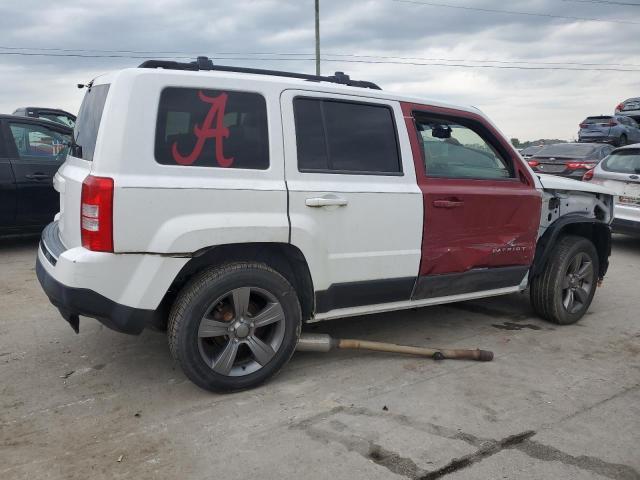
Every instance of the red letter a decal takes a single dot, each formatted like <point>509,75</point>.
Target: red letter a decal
<point>206,131</point>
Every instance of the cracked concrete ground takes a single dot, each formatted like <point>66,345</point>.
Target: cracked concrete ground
<point>557,402</point>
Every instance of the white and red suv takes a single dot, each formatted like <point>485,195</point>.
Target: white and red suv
<point>236,204</point>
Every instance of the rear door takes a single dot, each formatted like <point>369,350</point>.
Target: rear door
<point>481,208</point>
<point>7,185</point>
<point>36,153</point>
<point>620,172</point>
<point>354,205</point>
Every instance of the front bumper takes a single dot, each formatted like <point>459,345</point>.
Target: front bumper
<point>122,291</point>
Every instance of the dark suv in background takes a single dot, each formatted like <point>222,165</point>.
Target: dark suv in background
<point>31,150</point>
<point>570,160</point>
<point>630,107</point>
<point>615,129</point>
<point>52,114</point>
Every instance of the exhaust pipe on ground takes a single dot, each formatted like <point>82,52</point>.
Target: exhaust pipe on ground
<point>320,342</point>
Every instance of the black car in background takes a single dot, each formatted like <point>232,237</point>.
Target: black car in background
<point>569,160</point>
<point>31,151</point>
<point>530,151</point>
<point>52,114</point>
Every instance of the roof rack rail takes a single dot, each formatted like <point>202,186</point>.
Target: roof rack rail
<point>204,63</point>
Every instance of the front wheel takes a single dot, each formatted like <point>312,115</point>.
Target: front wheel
<point>234,326</point>
<point>564,290</point>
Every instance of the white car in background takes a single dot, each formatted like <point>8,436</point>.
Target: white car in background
<point>620,172</point>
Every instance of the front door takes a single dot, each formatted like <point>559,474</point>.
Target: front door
<point>37,153</point>
<point>354,205</point>
<point>481,208</point>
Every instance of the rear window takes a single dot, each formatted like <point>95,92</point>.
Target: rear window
<point>595,120</point>
<point>623,161</point>
<point>212,128</point>
<point>60,118</point>
<point>345,137</point>
<point>576,150</point>
<point>530,150</point>
<point>88,121</point>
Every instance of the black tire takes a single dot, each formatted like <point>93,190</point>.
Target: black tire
<point>550,291</point>
<point>622,141</point>
<point>196,301</point>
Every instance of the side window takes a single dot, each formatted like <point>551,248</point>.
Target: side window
<point>345,137</point>
<point>36,141</point>
<point>453,150</point>
<point>212,128</point>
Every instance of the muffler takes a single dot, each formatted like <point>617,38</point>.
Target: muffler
<point>320,342</point>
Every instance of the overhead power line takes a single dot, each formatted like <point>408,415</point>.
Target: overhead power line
<point>511,67</point>
<point>514,12</point>
<point>527,62</point>
<point>606,2</point>
<point>344,60</point>
<point>226,55</point>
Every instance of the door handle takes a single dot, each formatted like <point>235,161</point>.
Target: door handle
<point>447,203</point>
<point>38,176</point>
<point>326,201</point>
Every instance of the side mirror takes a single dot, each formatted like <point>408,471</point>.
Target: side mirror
<point>75,150</point>
<point>441,131</point>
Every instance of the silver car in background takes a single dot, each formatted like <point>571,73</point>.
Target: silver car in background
<point>618,130</point>
<point>620,172</point>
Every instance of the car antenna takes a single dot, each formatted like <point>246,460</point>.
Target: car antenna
<point>87,85</point>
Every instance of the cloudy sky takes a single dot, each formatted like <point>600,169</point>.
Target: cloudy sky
<point>526,102</point>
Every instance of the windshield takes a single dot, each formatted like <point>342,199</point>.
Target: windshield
<point>574,150</point>
<point>623,161</point>
<point>88,121</point>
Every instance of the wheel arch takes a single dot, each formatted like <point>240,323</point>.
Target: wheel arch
<point>284,258</point>
<point>597,231</point>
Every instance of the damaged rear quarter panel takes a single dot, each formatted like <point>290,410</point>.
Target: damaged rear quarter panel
<point>559,203</point>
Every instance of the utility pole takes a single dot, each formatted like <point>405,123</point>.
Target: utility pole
<point>317,37</point>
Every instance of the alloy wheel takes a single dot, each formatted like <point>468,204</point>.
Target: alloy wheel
<point>241,331</point>
<point>577,283</point>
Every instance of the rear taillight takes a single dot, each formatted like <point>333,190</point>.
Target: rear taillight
<point>612,123</point>
<point>96,214</point>
<point>583,125</point>
<point>588,175</point>
<point>619,107</point>
<point>533,163</point>
<point>577,165</point>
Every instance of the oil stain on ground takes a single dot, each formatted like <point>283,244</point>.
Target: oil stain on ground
<point>515,326</point>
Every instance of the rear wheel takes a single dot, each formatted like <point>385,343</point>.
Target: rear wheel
<point>234,326</point>
<point>563,292</point>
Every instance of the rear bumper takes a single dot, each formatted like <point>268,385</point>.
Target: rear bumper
<point>573,174</point>
<point>73,302</point>
<point>629,113</point>
<point>122,291</point>
<point>627,227</point>
<point>598,138</point>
